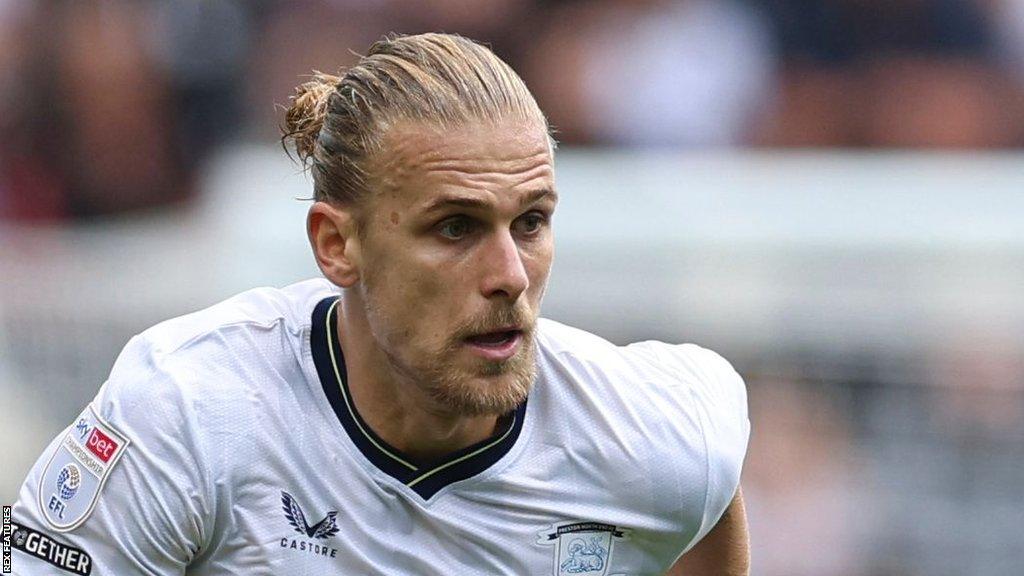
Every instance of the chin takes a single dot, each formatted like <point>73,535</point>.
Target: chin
<point>493,389</point>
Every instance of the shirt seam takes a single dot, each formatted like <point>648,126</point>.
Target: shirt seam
<point>707,469</point>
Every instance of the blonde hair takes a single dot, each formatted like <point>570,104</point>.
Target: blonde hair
<point>337,123</point>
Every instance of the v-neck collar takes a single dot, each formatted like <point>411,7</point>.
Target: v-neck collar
<point>425,480</point>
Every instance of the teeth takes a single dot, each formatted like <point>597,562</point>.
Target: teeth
<point>494,338</point>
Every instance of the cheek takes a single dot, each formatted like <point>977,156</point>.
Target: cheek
<point>415,293</point>
<point>538,266</point>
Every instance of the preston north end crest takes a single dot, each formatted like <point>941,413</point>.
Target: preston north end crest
<point>582,547</point>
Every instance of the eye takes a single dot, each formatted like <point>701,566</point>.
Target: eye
<point>455,228</point>
<point>530,223</point>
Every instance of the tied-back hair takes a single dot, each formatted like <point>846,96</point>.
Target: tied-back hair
<point>337,123</point>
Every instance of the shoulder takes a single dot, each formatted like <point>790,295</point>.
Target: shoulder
<point>253,310</point>
<point>704,374</point>
<point>692,389</point>
<point>681,409</point>
<point>692,394</point>
<point>197,362</point>
<point>649,367</point>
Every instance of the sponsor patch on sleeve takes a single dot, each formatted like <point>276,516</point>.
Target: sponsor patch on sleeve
<point>63,556</point>
<point>78,469</point>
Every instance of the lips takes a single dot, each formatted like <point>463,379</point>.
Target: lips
<point>496,338</point>
<point>496,345</point>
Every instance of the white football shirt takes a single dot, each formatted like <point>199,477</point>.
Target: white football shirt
<point>225,441</point>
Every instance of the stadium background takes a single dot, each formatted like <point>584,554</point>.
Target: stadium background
<point>828,192</point>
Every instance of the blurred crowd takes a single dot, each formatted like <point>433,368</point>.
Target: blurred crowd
<point>906,468</point>
<point>112,105</point>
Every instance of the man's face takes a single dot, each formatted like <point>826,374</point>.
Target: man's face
<point>456,248</point>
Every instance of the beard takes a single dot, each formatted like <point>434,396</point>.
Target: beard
<point>489,387</point>
<point>481,387</point>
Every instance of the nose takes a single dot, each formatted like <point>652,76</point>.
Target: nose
<point>504,271</point>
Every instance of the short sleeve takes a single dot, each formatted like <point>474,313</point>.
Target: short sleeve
<point>714,395</point>
<point>125,488</point>
<point>720,395</point>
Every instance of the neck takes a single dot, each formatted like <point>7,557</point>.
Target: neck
<point>395,407</point>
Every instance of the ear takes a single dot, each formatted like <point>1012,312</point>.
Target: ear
<point>332,235</point>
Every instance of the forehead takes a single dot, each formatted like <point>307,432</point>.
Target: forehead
<point>419,160</point>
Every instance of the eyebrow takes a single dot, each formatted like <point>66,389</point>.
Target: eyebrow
<point>476,203</point>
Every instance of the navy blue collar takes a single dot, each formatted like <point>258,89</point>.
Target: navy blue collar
<point>425,479</point>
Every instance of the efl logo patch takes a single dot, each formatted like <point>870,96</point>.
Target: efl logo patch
<point>78,469</point>
<point>582,547</point>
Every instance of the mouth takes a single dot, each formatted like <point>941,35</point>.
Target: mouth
<point>496,345</point>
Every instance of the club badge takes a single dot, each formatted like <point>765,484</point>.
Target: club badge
<point>582,547</point>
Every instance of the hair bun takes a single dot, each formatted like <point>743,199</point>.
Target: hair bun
<point>306,114</point>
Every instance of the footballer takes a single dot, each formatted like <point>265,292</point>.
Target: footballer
<point>408,412</point>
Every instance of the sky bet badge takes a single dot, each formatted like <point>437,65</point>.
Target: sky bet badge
<point>77,470</point>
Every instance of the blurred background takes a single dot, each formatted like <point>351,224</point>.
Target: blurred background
<point>830,193</point>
